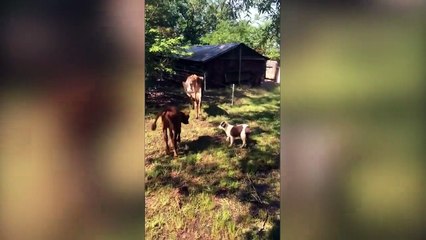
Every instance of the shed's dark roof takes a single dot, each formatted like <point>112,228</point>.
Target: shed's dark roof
<point>203,53</point>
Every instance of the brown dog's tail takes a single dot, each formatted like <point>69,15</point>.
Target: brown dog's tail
<point>154,124</point>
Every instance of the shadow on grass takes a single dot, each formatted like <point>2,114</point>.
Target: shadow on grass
<point>264,100</point>
<point>185,175</point>
<point>213,110</point>
<point>272,234</point>
<point>257,131</point>
<point>250,142</point>
<point>257,160</point>
<point>202,143</point>
<point>225,174</point>
<point>162,93</point>
<point>165,159</point>
<point>270,119</point>
<point>270,85</point>
<point>190,176</point>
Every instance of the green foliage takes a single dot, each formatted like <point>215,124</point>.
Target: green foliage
<point>162,47</point>
<point>198,17</point>
<point>256,37</point>
<point>272,8</point>
<point>228,32</point>
<point>173,25</point>
<point>161,40</point>
<point>273,53</point>
<point>269,7</point>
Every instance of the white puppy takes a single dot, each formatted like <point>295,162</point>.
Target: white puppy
<point>238,131</point>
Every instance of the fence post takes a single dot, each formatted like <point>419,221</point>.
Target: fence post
<point>233,87</point>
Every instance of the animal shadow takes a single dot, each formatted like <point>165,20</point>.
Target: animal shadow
<point>250,143</point>
<point>257,131</point>
<point>202,143</point>
<point>214,110</point>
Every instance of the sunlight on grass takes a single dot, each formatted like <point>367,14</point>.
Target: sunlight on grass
<point>204,192</point>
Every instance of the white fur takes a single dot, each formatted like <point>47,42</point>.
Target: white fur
<point>230,138</point>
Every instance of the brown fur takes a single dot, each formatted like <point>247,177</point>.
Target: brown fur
<point>172,120</point>
<point>193,89</point>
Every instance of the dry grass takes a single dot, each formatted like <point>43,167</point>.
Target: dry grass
<point>212,191</point>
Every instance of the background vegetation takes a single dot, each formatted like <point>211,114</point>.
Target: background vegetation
<point>172,26</point>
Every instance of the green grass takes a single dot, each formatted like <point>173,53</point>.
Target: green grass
<point>213,191</point>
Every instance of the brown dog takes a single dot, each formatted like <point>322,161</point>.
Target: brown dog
<point>172,119</point>
<point>193,89</point>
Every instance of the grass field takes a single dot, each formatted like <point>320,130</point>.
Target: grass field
<point>213,191</point>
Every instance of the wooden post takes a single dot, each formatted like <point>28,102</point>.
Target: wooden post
<point>232,101</point>
<point>239,70</point>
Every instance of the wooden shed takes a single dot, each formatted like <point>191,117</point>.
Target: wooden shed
<point>223,64</point>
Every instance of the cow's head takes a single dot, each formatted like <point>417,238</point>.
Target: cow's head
<point>190,83</point>
<point>187,87</point>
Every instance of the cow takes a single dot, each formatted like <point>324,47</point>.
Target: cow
<point>193,89</point>
<point>172,119</point>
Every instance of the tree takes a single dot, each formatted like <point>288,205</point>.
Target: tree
<point>242,31</point>
<point>162,40</point>
<point>229,32</point>
<point>172,25</point>
<point>268,7</point>
<point>272,9</point>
